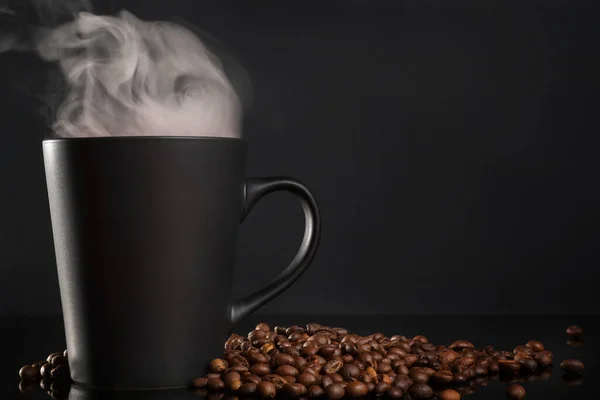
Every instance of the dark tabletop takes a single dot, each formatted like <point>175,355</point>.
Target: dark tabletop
<point>28,339</point>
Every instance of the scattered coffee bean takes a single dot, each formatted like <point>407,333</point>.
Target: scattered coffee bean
<point>335,391</point>
<point>544,358</point>
<point>421,391</point>
<point>215,384</point>
<point>218,365</point>
<point>572,365</point>
<point>535,345</point>
<point>449,394</point>
<point>516,392</point>
<point>574,331</point>
<point>259,369</point>
<point>29,372</point>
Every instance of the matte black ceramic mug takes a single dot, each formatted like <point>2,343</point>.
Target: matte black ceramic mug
<point>145,232</point>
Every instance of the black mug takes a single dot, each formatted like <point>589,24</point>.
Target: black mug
<point>145,232</point>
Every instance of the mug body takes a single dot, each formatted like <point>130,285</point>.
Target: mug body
<point>145,233</point>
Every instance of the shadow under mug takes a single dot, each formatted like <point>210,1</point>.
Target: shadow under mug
<point>145,232</point>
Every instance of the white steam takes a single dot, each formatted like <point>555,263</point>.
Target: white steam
<point>128,77</point>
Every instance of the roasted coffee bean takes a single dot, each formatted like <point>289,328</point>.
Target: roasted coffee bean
<point>326,381</point>
<point>213,375</point>
<point>215,384</point>
<point>275,379</point>
<point>524,349</point>
<point>516,392</point>
<point>257,335</point>
<point>332,366</point>
<point>315,391</point>
<point>572,365</point>
<point>402,369</point>
<point>292,391</point>
<point>286,370</point>
<point>266,390</point>
<point>251,378</point>
<point>238,360</point>
<point>460,377</point>
<point>59,360</point>
<point>418,375</point>
<point>199,383</point>
<point>337,377</point>
<point>233,385</point>
<point>280,330</point>
<point>257,357</point>
<point>421,391</point>
<point>282,359</point>
<point>60,372</point>
<point>218,365</point>
<point>544,358</point>
<point>382,387</point>
<point>528,364</point>
<point>509,366</point>
<point>350,372</point>
<point>45,384</point>
<point>299,362</point>
<point>449,394</point>
<point>247,389</point>
<point>260,369</point>
<point>356,389</point>
<point>480,370</point>
<point>463,364</point>
<point>403,382</point>
<point>29,372</point>
<point>535,345</point>
<point>51,356</point>
<point>309,350</point>
<point>335,391</point>
<point>231,377</point>
<point>395,392</point>
<point>364,377</point>
<point>263,327</point>
<point>575,331</point>
<point>311,370</point>
<point>442,377</point>
<point>240,369</point>
<point>267,348</point>
<point>384,368</point>
<point>307,379</point>
<point>46,370</point>
<point>461,344</point>
<point>289,379</point>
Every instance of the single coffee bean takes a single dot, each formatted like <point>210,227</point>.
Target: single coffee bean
<point>575,331</point>
<point>45,384</point>
<point>544,358</point>
<point>256,357</point>
<point>326,381</point>
<point>418,375</point>
<point>276,380</point>
<point>421,391</point>
<point>461,344</point>
<point>233,385</point>
<point>356,389</point>
<point>287,370</point>
<point>257,335</point>
<point>231,377</point>
<point>382,387</point>
<point>402,369</point>
<point>572,365</point>
<point>337,378</point>
<point>307,379</point>
<point>315,391</point>
<point>60,372</point>
<point>29,372</point>
<point>51,356</point>
<point>516,392</point>
<point>213,375</point>
<point>509,366</point>
<point>46,370</point>
<point>251,378</point>
<point>394,393</point>
<point>443,377</point>
<point>480,370</point>
<point>247,389</point>
<point>309,350</point>
<point>260,369</point>
<point>59,360</point>
<point>332,366</point>
<point>267,348</point>
<point>528,364</point>
<point>460,377</point>
<point>291,390</point>
<point>335,391</point>
<point>575,343</point>
<point>263,327</point>
<point>350,372</point>
<point>535,345</point>
<point>299,362</point>
<point>572,379</point>
<point>28,386</point>
<point>266,390</point>
<point>384,368</point>
<point>282,359</point>
<point>218,365</point>
<point>493,367</point>
<point>370,386</point>
<point>215,384</point>
<point>449,394</point>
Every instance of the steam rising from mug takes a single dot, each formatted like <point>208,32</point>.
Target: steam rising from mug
<point>128,77</point>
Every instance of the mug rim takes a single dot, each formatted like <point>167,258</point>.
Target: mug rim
<point>157,137</point>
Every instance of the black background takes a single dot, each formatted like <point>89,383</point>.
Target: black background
<point>452,146</point>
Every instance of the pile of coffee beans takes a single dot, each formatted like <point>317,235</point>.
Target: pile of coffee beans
<point>316,360</point>
<point>51,375</point>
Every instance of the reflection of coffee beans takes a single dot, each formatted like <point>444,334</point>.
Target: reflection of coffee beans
<point>516,392</point>
<point>572,365</point>
<point>574,331</point>
<point>572,379</point>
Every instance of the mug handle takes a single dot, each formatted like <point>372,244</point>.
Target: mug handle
<point>255,189</point>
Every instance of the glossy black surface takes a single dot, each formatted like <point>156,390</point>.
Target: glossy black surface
<point>29,339</point>
<point>145,232</point>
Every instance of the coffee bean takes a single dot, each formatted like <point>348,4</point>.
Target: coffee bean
<point>460,377</point>
<point>418,375</point>
<point>480,370</point>
<point>575,342</point>
<point>402,369</point>
<point>335,391</point>
<point>535,345</point>
<point>218,365</point>
<point>442,377</point>
<point>326,381</point>
<point>572,365</point>
<point>256,357</point>
<point>60,372</point>
<point>516,392</point>
<point>263,327</point>
<point>51,356</point>
<point>307,379</point>
<point>282,359</point>
<point>421,391</point>
<point>231,377</point>
<point>509,366</point>
<point>46,370</point>
<point>286,370</point>
<point>45,384</point>
<point>349,371</point>
<point>215,384</point>
<point>575,331</point>
<point>461,344</point>
<point>384,368</point>
<point>315,391</point>
<point>356,389</point>
<point>528,364</point>
<point>213,375</point>
<point>29,372</point>
<point>260,369</point>
<point>394,393</point>
<point>276,380</point>
<point>247,389</point>
<point>332,366</point>
<point>337,378</point>
<point>403,382</point>
<point>293,390</point>
<point>449,394</point>
<point>544,358</point>
<point>240,369</point>
<point>382,387</point>
<point>251,378</point>
<point>257,335</point>
<point>266,390</point>
<point>59,360</point>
